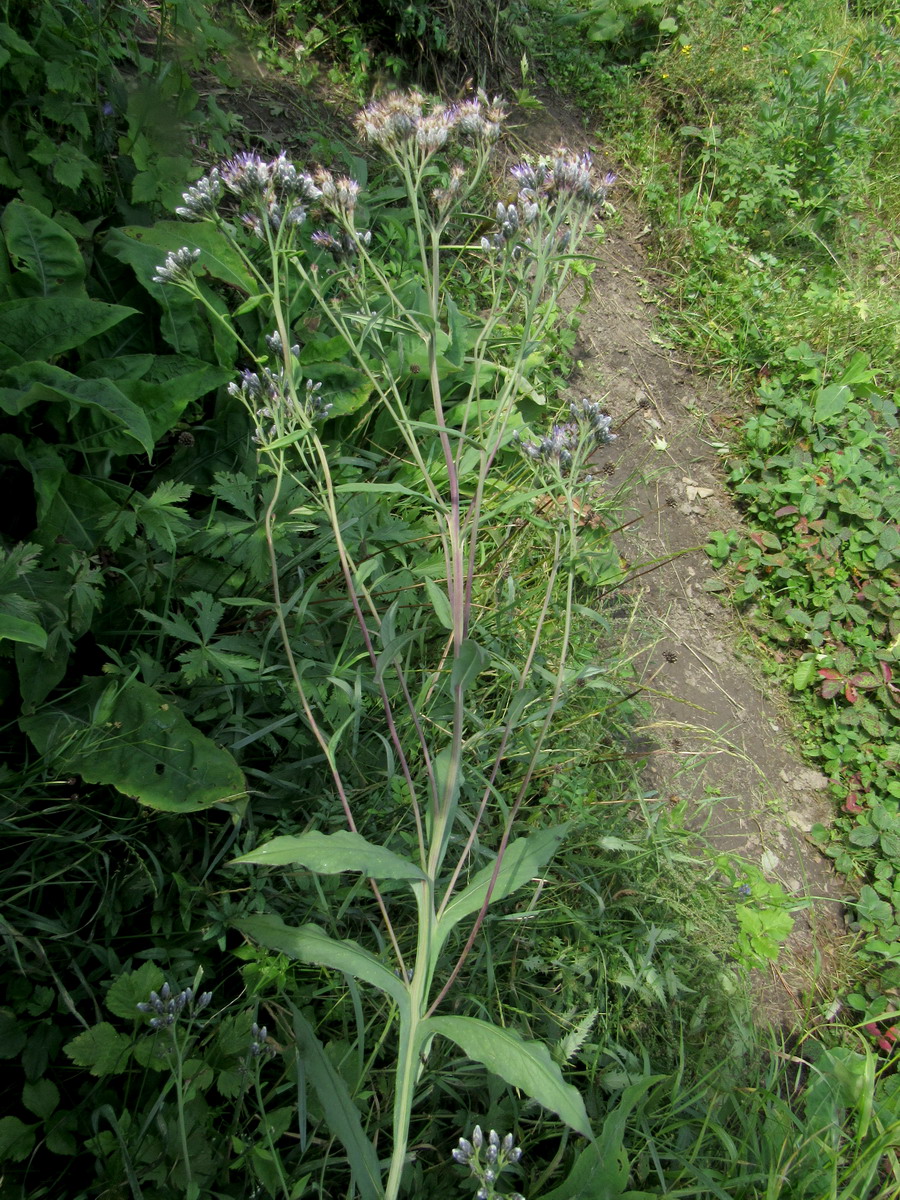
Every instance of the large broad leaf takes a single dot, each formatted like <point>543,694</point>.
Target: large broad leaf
<point>134,738</point>
<point>39,328</point>
<point>74,509</point>
<point>524,1065</point>
<point>523,859</point>
<point>341,1114</point>
<point>15,629</point>
<point>46,254</point>
<point>311,944</point>
<point>34,381</point>
<point>161,386</point>
<point>332,853</point>
<point>830,402</point>
<point>217,258</point>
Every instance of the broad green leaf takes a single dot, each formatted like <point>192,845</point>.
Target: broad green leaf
<point>132,737</point>
<point>39,328</point>
<point>16,1139</point>
<point>468,664</point>
<point>830,401</point>
<point>14,629</point>
<point>332,853</point>
<point>312,944</point>
<point>342,1117</point>
<point>102,1049</point>
<point>805,673</point>
<point>523,859</point>
<point>77,511</point>
<point>44,250</point>
<point>133,988</point>
<point>36,381</point>
<point>41,1098</point>
<point>524,1065</point>
<point>218,258</point>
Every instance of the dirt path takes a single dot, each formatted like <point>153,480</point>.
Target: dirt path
<point>719,734</point>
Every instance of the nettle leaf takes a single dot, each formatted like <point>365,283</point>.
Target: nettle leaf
<point>102,1049</point>
<point>43,249</point>
<point>311,944</point>
<point>524,1065</point>
<point>332,853</point>
<point>134,738</point>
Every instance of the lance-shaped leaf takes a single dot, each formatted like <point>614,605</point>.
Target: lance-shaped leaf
<point>523,859</point>
<point>525,1065</point>
<point>341,1114</point>
<point>312,944</point>
<point>332,853</point>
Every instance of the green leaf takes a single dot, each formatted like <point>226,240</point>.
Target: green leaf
<point>311,944</point>
<point>16,1139</point>
<point>524,858</point>
<point>342,1117</point>
<point>43,249</point>
<point>805,673</point>
<point>39,328</point>
<point>12,1035</point>
<point>36,381</point>
<point>218,258</point>
<point>133,988</point>
<point>332,853</point>
<point>14,629</point>
<point>440,603</point>
<point>41,1098</point>
<point>830,402</point>
<point>524,1065</point>
<point>102,1049</point>
<point>468,664</point>
<point>136,739</point>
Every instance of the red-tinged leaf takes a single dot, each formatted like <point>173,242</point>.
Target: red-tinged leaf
<point>886,672</point>
<point>828,673</point>
<point>758,539</point>
<point>851,804</point>
<point>851,694</point>
<point>830,688</point>
<point>785,511</point>
<point>864,680</point>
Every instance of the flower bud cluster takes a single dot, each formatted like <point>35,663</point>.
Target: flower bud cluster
<point>588,426</point>
<point>409,118</point>
<point>178,266</point>
<point>279,406</point>
<point>167,1006</point>
<point>260,1046</point>
<point>486,1157</point>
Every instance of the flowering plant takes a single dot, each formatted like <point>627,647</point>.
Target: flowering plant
<point>443,387</point>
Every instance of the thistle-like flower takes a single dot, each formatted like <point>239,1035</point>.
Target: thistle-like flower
<point>203,198</point>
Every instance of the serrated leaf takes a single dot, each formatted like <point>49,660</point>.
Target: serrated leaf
<point>311,944</point>
<point>332,853</point>
<point>524,1065</point>
<point>138,741</point>
<point>133,988</point>
<point>102,1049</point>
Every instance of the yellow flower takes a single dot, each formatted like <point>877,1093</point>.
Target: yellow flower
<point>745,48</point>
<point>685,49</point>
